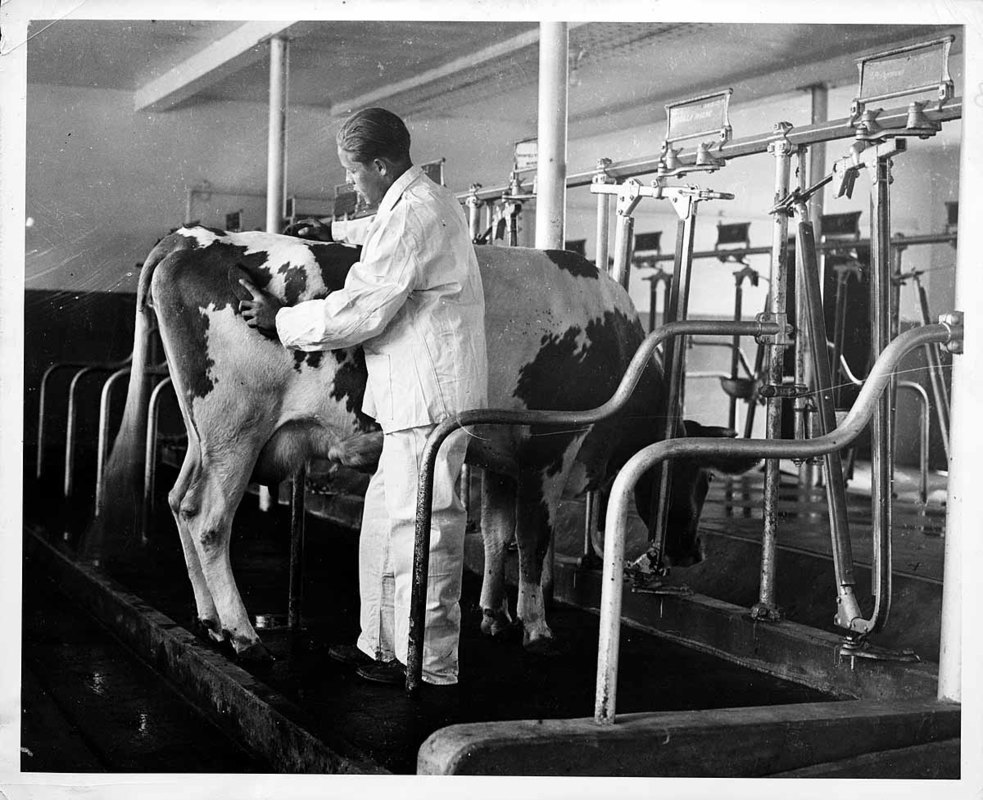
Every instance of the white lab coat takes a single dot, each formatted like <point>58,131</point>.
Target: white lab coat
<point>415,303</point>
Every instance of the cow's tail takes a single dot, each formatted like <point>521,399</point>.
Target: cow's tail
<point>122,488</point>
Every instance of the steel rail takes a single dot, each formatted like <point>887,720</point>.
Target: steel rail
<point>815,133</point>
<point>639,363</point>
<point>612,582</point>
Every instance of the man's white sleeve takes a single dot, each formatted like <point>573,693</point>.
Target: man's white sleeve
<point>374,291</point>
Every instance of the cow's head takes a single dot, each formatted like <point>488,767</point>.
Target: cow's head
<point>688,490</point>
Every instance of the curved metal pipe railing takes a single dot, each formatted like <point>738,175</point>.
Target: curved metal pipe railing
<point>150,450</point>
<point>43,395</point>
<point>880,377</point>
<point>71,429</point>
<point>924,424</point>
<point>639,362</point>
<point>103,439</point>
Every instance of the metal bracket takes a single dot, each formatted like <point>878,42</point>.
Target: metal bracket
<point>954,322</point>
<point>857,646</point>
<point>784,390</point>
<point>785,337</point>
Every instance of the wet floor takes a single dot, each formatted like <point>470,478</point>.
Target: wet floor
<point>498,681</point>
<point>90,705</point>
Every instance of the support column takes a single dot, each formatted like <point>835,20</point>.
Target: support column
<point>551,170</point>
<point>276,160</point>
<point>964,505</point>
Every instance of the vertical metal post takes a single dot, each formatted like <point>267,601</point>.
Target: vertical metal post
<point>623,235</point>
<point>276,163</point>
<point>551,167</point>
<point>71,431</point>
<point>766,608</point>
<point>882,427</point>
<point>940,395</point>
<point>808,289</point>
<point>150,456</point>
<point>804,365</point>
<point>102,446</point>
<point>603,216</point>
<point>588,558</point>
<point>674,359</point>
<point>297,521</point>
<point>276,153</point>
<point>474,213</point>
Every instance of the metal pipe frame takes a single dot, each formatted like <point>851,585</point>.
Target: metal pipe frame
<point>674,360</point>
<point>818,132</point>
<point>828,246</point>
<point>639,362</point>
<point>71,429</point>
<point>612,583</point>
<point>766,608</point>
<point>809,290</point>
<point>150,452</point>
<point>882,426</point>
<point>297,525</point>
<point>939,392</point>
<point>809,165</point>
<point>924,423</point>
<point>43,397</point>
<point>103,440</point>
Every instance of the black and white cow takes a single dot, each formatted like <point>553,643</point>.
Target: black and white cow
<point>559,336</point>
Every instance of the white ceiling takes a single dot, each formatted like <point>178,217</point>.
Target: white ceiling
<point>621,73</point>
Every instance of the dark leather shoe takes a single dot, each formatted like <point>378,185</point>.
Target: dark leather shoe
<point>391,672</point>
<point>349,654</point>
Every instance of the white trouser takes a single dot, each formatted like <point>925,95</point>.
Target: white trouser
<point>385,554</point>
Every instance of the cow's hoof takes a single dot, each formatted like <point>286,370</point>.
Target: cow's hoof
<point>207,630</point>
<point>542,646</point>
<point>254,655</point>
<point>498,626</point>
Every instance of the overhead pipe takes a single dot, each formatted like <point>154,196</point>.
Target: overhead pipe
<point>828,131</point>
<point>639,362</point>
<point>949,332</point>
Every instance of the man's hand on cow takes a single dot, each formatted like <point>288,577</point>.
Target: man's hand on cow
<point>310,229</point>
<point>260,312</point>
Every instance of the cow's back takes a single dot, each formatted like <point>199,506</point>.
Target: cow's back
<point>560,336</point>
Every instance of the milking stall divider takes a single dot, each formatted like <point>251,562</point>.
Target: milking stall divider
<point>878,137</point>
<point>692,145</point>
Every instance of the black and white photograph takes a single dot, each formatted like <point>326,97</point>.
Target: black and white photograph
<point>517,398</point>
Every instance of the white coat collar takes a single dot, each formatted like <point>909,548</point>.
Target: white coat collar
<point>400,185</point>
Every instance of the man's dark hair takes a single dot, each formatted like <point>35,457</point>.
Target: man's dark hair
<point>375,133</point>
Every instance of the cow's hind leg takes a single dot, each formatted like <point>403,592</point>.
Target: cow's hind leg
<point>207,509</point>
<point>208,618</point>
<point>498,499</point>
<point>536,510</point>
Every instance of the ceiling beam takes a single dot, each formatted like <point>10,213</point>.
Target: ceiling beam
<point>220,59</point>
<point>499,50</point>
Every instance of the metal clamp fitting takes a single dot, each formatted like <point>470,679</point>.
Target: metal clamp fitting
<point>954,322</point>
<point>784,337</point>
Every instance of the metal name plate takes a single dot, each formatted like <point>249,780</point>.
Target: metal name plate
<point>526,154</point>
<point>699,117</point>
<point>913,70</point>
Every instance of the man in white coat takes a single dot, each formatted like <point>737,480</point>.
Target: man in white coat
<point>415,303</point>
